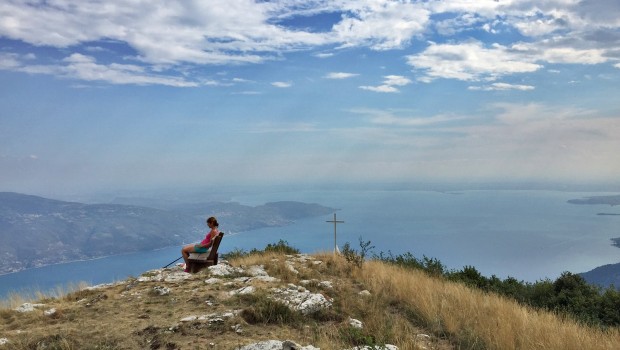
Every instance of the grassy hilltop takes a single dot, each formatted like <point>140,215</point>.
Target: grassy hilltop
<point>245,301</point>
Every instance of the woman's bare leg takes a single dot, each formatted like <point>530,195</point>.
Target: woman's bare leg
<point>185,253</point>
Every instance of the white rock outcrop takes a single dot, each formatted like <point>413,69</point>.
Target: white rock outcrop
<point>223,270</point>
<point>242,291</point>
<point>28,307</point>
<point>300,299</point>
<point>384,347</point>
<point>276,345</point>
<point>355,323</point>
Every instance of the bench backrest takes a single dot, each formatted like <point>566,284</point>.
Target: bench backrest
<point>215,247</point>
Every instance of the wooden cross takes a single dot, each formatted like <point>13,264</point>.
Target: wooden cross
<point>336,222</point>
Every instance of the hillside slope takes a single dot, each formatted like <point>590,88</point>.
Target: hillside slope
<point>604,276</point>
<point>318,301</point>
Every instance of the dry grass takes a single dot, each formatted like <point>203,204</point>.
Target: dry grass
<point>474,319</point>
<point>402,306</point>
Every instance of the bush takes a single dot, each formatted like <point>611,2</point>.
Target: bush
<point>281,247</point>
<point>353,256</point>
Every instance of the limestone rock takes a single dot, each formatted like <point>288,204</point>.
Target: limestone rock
<point>3,341</point>
<point>299,299</point>
<point>50,312</point>
<point>277,345</point>
<point>326,284</point>
<point>356,323</point>
<point>242,291</point>
<point>159,290</point>
<point>28,307</point>
<point>223,270</point>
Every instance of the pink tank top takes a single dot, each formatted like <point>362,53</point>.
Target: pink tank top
<point>207,240</point>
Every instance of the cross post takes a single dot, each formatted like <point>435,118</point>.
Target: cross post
<point>336,222</point>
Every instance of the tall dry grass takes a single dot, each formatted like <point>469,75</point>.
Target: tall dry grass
<point>15,299</point>
<point>479,320</point>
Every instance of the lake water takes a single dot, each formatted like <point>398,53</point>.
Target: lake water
<point>529,235</point>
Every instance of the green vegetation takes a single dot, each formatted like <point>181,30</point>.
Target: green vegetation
<point>282,247</point>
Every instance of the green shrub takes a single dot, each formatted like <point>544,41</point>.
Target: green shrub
<point>353,256</point>
<point>281,247</point>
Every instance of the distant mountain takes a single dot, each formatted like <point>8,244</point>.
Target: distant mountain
<point>604,276</point>
<point>608,200</point>
<point>36,231</point>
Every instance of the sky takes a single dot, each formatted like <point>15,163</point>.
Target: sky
<point>135,94</point>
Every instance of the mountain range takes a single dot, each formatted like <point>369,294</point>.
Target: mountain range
<point>36,231</point>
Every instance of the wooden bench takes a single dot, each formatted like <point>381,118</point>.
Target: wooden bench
<point>198,261</point>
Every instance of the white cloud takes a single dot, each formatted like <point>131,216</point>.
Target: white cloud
<point>340,75</point>
<point>282,84</point>
<point>323,55</point>
<point>389,84</point>
<point>82,67</point>
<point>9,61</point>
<point>617,65</point>
<point>502,87</point>
<point>241,80</point>
<point>380,88</point>
<point>382,25</point>
<point>168,37</point>
<point>387,118</point>
<point>470,61</point>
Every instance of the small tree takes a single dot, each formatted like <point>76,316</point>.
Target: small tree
<point>353,256</point>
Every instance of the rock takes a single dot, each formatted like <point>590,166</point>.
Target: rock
<point>104,285</point>
<point>377,347</point>
<point>159,290</point>
<point>364,293</point>
<point>237,328</point>
<point>210,318</point>
<point>326,284</point>
<point>28,307</point>
<point>355,323</point>
<point>277,345</point>
<point>189,318</point>
<point>50,312</point>
<point>242,291</point>
<point>213,280</point>
<point>302,301</point>
<point>4,341</point>
<point>177,276</point>
<point>223,270</point>
<point>256,270</point>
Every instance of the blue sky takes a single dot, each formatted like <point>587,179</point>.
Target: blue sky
<point>137,94</point>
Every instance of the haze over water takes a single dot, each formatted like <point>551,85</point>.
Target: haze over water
<point>529,235</point>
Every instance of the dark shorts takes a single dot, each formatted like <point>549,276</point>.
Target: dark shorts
<point>200,249</point>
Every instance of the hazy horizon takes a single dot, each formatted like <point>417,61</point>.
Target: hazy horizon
<point>126,95</point>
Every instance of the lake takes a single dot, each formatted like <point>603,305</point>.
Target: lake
<point>529,235</point>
